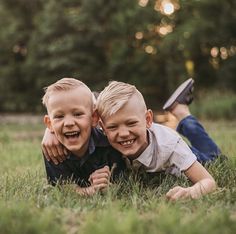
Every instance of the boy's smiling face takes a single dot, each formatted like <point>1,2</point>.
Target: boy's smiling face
<point>70,117</point>
<point>127,128</point>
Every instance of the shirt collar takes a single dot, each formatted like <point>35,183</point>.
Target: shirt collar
<point>91,146</point>
<point>146,157</point>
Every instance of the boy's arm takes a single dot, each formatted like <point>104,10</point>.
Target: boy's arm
<point>203,184</point>
<point>52,149</point>
<point>99,179</point>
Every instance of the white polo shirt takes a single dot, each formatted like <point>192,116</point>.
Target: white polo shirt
<point>167,151</point>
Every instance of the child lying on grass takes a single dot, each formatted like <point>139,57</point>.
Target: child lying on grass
<point>73,120</point>
<point>129,127</point>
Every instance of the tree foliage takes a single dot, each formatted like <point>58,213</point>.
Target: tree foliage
<point>97,41</point>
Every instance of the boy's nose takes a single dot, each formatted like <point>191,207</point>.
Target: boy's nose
<point>123,132</point>
<point>69,121</point>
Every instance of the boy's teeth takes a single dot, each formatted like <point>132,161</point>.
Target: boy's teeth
<point>71,133</point>
<point>127,142</point>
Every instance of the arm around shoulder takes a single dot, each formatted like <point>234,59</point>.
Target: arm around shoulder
<point>52,149</point>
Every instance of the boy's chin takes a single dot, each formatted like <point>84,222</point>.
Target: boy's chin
<point>130,156</point>
<point>131,153</point>
<point>75,150</point>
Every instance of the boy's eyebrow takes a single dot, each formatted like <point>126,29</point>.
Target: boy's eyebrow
<point>126,121</point>
<point>56,111</point>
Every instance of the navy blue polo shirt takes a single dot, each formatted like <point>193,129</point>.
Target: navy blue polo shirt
<point>77,170</point>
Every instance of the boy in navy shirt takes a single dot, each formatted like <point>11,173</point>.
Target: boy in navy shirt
<point>72,118</point>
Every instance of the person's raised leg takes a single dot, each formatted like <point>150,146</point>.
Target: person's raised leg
<point>202,144</point>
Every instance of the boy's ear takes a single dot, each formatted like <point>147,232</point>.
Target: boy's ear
<point>48,122</point>
<point>149,118</point>
<point>95,118</point>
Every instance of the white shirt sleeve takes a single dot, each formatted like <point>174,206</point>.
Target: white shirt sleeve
<point>182,156</point>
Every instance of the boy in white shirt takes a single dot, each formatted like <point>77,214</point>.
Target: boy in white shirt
<point>129,127</point>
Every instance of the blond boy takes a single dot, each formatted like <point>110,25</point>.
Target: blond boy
<point>72,119</point>
<point>129,127</point>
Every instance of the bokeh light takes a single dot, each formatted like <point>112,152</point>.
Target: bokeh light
<point>143,3</point>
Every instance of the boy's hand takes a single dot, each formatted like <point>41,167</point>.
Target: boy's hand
<point>88,191</point>
<point>52,148</point>
<point>100,179</point>
<point>178,193</point>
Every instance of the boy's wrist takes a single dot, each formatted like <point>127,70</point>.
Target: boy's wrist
<point>195,191</point>
<point>86,191</point>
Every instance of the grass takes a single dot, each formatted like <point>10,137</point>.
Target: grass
<point>214,104</point>
<point>29,205</point>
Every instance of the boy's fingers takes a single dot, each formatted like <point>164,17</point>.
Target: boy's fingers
<point>100,175</point>
<point>105,169</point>
<point>54,160</point>
<point>177,193</point>
<point>45,153</point>
<point>54,152</point>
<point>60,151</point>
<point>100,186</point>
<point>48,154</point>
<point>97,180</point>
<point>171,192</point>
<point>100,181</point>
<point>58,154</point>
<point>55,155</point>
<point>51,156</point>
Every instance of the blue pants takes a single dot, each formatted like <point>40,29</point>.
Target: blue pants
<point>201,144</point>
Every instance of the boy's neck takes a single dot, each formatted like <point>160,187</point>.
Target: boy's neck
<point>81,153</point>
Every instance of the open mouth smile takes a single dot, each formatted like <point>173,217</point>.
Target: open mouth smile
<point>72,134</point>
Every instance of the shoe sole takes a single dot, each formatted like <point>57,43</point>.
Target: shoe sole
<point>178,93</point>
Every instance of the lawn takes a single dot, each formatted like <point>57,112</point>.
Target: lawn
<point>29,205</point>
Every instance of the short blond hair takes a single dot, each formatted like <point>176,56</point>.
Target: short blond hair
<point>115,96</point>
<point>64,84</point>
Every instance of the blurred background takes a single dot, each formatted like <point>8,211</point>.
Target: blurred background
<point>153,44</point>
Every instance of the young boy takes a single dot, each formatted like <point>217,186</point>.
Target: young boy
<point>129,127</point>
<point>72,118</point>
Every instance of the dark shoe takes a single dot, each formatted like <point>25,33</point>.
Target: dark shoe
<point>183,95</point>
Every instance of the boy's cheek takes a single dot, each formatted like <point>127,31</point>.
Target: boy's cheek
<point>109,135</point>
